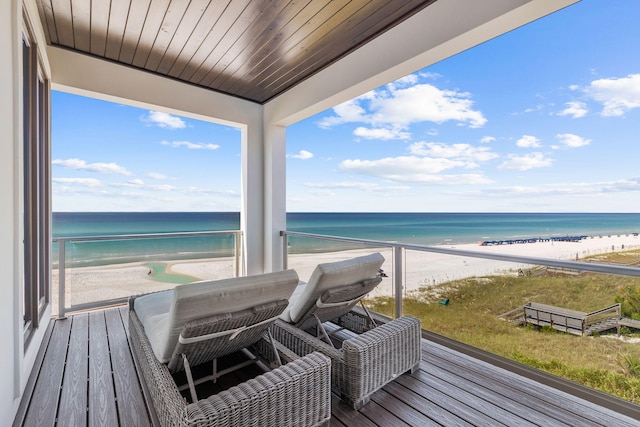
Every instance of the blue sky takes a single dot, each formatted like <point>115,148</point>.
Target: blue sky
<point>543,119</point>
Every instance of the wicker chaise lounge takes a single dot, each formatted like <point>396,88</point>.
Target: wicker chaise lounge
<point>366,362</point>
<point>199,322</point>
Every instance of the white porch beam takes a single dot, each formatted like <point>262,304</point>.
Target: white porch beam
<point>439,31</point>
<point>97,78</point>
<point>88,76</point>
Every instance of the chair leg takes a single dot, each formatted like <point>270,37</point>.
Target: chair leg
<point>323,330</point>
<point>275,350</point>
<point>355,404</point>
<point>373,322</point>
<point>187,370</point>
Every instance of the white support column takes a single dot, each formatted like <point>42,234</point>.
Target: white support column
<point>253,199</point>
<point>275,194</point>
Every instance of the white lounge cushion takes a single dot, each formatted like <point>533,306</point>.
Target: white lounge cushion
<point>165,313</point>
<point>330,275</point>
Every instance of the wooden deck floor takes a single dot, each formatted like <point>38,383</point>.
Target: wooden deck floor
<point>87,377</point>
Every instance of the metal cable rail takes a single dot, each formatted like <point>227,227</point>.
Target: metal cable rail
<point>63,241</point>
<point>399,248</point>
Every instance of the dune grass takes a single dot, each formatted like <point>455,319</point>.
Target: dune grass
<point>603,362</point>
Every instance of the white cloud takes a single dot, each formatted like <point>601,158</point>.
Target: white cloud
<point>574,109</point>
<point>430,75</point>
<point>528,141</point>
<point>365,186</point>
<point>404,102</point>
<point>302,155</point>
<point>323,193</point>
<point>191,145</point>
<point>405,81</point>
<point>573,141</point>
<point>85,182</point>
<point>487,139</point>
<point>163,187</point>
<point>464,152</point>
<point>381,133</point>
<point>567,189</point>
<point>424,102</point>
<point>347,112</point>
<point>617,95</point>
<point>526,162</point>
<point>357,185</point>
<point>538,107</point>
<point>164,120</point>
<point>78,164</point>
<point>157,175</point>
<point>413,169</point>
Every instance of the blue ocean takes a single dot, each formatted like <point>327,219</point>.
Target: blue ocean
<point>417,228</point>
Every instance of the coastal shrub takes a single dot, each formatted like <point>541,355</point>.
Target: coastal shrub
<point>471,318</point>
<point>629,297</point>
<point>621,385</point>
<point>630,365</point>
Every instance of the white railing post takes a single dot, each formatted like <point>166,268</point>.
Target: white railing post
<point>236,248</point>
<point>285,250</point>
<point>61,278</point>
<point>398,278</point>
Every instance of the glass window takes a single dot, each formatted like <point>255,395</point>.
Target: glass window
<point>36,177</point>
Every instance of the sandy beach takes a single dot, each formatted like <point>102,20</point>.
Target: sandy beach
<point>421,269</point>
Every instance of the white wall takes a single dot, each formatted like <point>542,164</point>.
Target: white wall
<point>15,362</point>
<point>8,283</point>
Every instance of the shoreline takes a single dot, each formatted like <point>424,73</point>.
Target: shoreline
<point>421,270</point>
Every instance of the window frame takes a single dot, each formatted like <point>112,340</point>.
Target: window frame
<point>36,164</point>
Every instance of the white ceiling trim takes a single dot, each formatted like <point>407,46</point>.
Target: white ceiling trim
<point>441,30</point>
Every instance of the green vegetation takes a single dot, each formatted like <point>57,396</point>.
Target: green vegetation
<point>602,362</point>
<point>630,299</point>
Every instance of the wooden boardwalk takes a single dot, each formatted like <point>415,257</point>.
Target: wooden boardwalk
<point>87,376</point>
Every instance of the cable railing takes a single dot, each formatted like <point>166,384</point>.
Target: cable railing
<point>142,254</point>
<point>398,258</point>
<point>399,250</point>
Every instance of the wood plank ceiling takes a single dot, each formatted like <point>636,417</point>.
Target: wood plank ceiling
<point>252,49</point>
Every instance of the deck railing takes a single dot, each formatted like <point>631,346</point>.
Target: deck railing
<point>64,242</point>
<point>399,251</point>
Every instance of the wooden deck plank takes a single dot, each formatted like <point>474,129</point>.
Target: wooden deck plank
<point>44,403</point>
<point>102,402</point>
<point>525,389</point>
<point>450,389</point>
<point>443,416</point>
<point>463,385</point>
<point>73,398</point>
<point>131,404</point>
<point>381,416</point>
<point>485,388</point>
<point>400,409</point>
<point>348,416</point>
<point>434,394</point>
